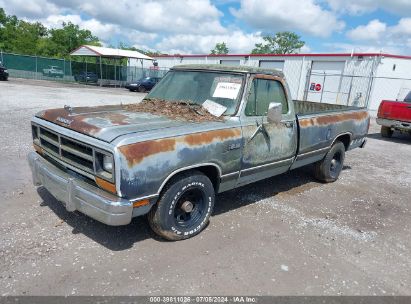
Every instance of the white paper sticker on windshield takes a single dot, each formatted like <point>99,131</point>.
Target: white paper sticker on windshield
<point>227,90</point>
<point>214,108</point>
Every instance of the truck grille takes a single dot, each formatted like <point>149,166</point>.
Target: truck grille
<point>72,152</point>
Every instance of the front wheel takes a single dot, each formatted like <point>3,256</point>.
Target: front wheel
<point>328,170</point>
<point>184,208</point>
<point>141,89</point>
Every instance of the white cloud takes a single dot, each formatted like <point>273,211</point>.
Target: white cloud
<point>364,48</point>
<point>359,7</point>
<point>377,36</point>
<point>403,27</point>
<point>167,16</point>
<point>306,16</point>
<point>377,31</point>
<point>103,31</point>
<point>28,9</point>
<point>237,42</point>
<point>372,31</point>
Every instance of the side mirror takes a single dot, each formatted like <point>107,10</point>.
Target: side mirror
<point>274,113</point>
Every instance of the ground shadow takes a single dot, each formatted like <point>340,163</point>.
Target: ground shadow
<point>124,237</point>
<point>114,238</point>
<point>292,183</point>
<point>397,137</point>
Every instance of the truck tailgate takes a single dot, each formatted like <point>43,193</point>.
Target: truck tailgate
<point>395,110</point>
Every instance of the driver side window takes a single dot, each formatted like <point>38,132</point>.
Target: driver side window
<point>262,92</point>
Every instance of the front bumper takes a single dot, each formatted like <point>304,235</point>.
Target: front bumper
<point>396,124</point>
<point>79,195</point>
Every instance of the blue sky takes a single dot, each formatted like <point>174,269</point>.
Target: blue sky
<point>195,26</point>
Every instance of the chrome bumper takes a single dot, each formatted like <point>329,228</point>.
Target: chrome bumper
<point>76,194</point>
<point>396,124</point>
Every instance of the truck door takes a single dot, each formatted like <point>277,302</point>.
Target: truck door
<point>268,148</point>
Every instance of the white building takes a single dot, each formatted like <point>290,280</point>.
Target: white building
<point>362,79</point>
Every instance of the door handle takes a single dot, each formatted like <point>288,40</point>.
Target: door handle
<point>260,128</point>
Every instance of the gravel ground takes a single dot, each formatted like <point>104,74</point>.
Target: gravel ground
<point>287,235</point>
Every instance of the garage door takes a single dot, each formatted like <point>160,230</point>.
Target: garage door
<point>272,64</point>
<point>325,81</point>
<point>230,62</point>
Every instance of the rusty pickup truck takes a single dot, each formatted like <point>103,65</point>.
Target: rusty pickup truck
<point>114,163</point>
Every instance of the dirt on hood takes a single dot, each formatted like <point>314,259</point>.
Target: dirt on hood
<point>177,110</point>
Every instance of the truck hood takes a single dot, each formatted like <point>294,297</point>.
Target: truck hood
<point>106,122</point>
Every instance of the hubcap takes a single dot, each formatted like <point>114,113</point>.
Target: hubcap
<point>187,206</point>
<point>335,165</point>
<point>190,208</point>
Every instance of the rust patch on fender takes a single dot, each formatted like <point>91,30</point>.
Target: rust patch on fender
<point>135,153</point>
<point>208,137</point>
<point>332,119</point>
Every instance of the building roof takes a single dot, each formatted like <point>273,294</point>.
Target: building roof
<point>229,68</point>
<point>291,55</point>
<point>90,50</point>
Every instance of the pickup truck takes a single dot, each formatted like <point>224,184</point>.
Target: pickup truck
<point>114,163</point>
<point>4,74</point>
<point>395,115</point>
<point>53,71</point>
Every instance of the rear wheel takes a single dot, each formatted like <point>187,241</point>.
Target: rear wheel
<point>386,132</point>
<point>184,208</point>
<point>328,170</point>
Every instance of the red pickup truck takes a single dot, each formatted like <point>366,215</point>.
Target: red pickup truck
<point>395,115</point>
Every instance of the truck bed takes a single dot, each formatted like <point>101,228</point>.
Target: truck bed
<point>302,107</point>
<point>320,124</point>
<point>395,110</point>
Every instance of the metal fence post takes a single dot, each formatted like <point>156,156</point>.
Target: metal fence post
<point>349,91</point>
<point>322,91</point>
<point>36,66</point>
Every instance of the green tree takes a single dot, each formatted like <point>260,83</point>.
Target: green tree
<point>33,38</point>
<point>280,43</point>
<point>220,48</point>
<point>18,35</point>
<point>69,37</point>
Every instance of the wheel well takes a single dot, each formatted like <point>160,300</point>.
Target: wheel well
<point>345,139</point>
<point>210,171</point>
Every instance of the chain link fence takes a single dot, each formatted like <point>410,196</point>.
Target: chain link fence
<point>349,90</point>
<point>35,67</point>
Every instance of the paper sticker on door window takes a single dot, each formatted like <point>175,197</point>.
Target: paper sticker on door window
<point>227,90</point>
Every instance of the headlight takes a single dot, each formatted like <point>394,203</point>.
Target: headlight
<point>108,163</point>
<point>104,164</point>
<point>5,71</point>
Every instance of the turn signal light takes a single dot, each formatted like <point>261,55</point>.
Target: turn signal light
<point>141,203</point>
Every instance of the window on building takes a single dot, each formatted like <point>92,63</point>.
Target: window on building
<point>272,64</point>
<point>230,62</point>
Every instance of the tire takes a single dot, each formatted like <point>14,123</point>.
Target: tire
<point>141,89</point>
<point>171,219</point>
<point>386,132</point>
<point>329,168</point>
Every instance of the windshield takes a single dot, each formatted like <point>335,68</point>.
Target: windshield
<point>408,97</point>
<point>198,86</point>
